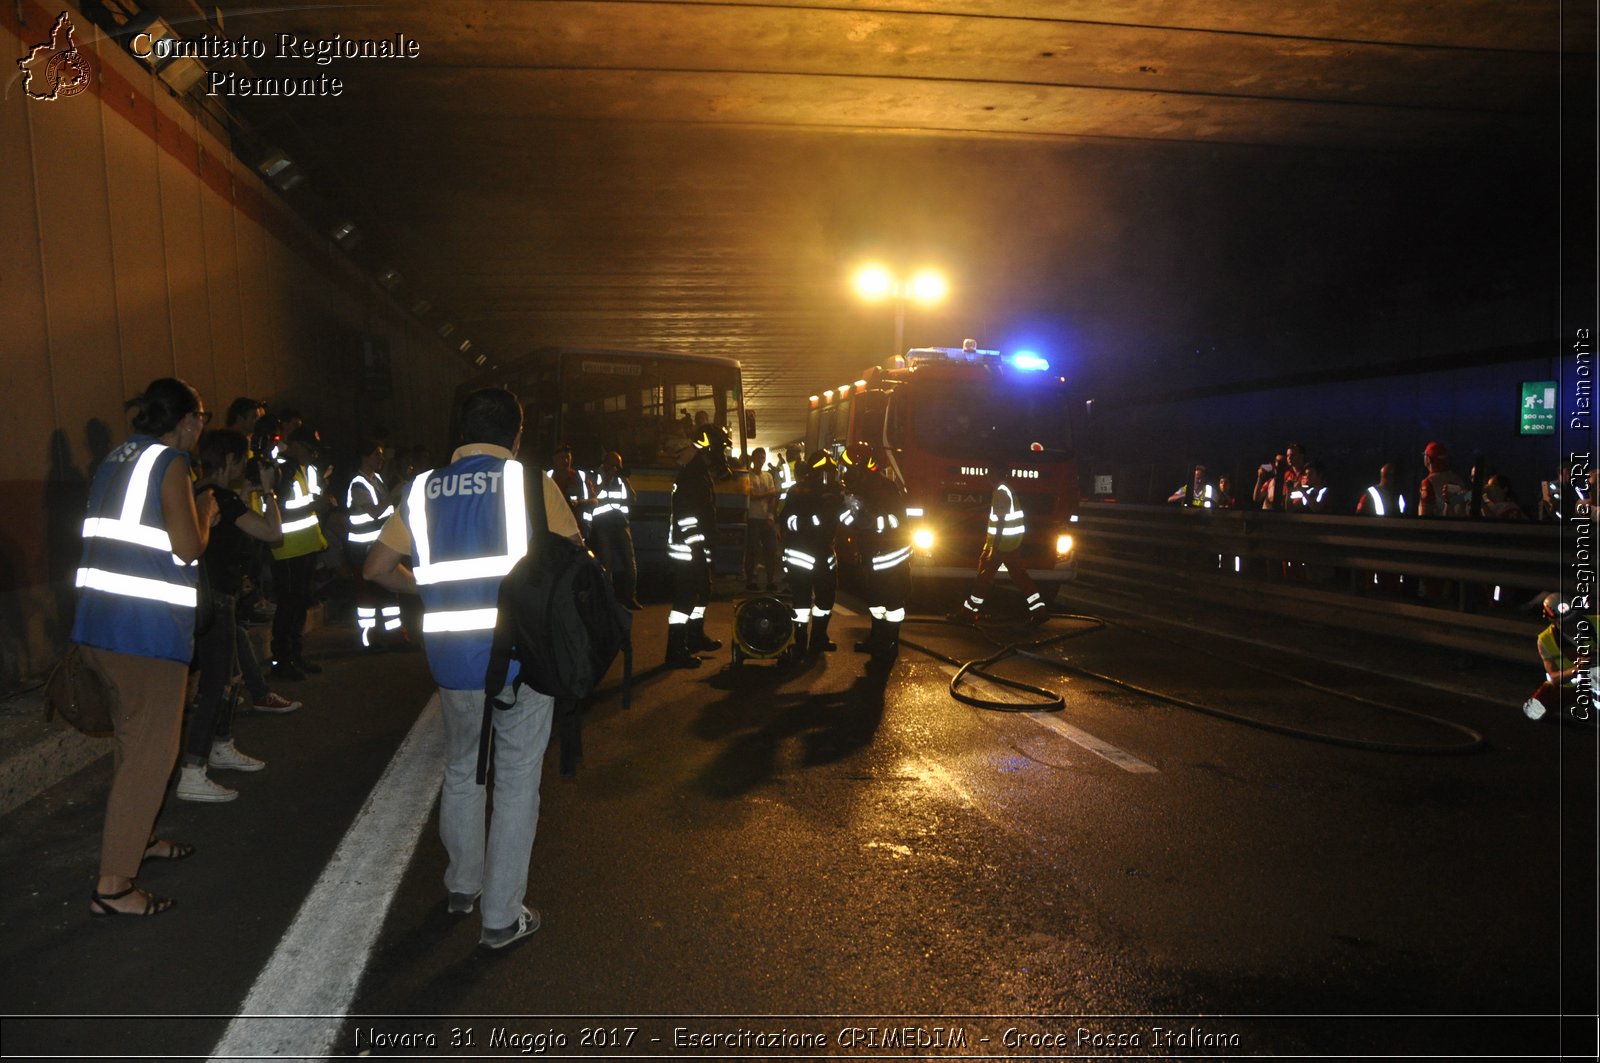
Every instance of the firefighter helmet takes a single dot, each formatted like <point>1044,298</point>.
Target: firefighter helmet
<point>713,437</point>
<point>858,457</point>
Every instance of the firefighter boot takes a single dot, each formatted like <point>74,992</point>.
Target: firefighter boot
<point>889,647</point>
<point>678,655</point>
<point>819,635</point>
<point>698,643</point>
<point>870,643</point>
<point>797,651</point>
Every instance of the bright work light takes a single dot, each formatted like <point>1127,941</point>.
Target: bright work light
<point>874,283</point>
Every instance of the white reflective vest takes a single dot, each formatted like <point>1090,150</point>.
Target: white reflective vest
<point>1380,508</point>
<point>610,501</point>
<point>135,595</point>
<point>365,527</point>
<point>1205,498</point>
<point>1304,497</point>
<point>469,527</point>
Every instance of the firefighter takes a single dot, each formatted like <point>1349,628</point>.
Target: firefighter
<point>1007,526</point>
<point>1575,673</point>
<point>879,519</point>
<point>810,519</point>
<point>689,542</point>
<point>608,532</point>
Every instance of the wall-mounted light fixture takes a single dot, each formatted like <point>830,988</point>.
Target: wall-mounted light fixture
<point>154,43</point>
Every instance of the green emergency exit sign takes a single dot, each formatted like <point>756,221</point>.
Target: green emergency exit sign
<point>1538,407</point>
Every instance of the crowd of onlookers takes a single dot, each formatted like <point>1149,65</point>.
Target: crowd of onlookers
<point>194,535</point>
<point>1293,482</point>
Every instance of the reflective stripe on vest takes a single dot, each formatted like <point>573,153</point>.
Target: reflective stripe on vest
<point>365,527</point>
<point>469,527</point>
<point>1007,528</point>
<point>135,595</point>
<point>302,534</point>
<point>613,499</point>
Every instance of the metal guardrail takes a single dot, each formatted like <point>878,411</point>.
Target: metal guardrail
<point>1429,581</point>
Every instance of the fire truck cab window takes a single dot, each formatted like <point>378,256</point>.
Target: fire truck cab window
<point>1013,419</point>
<point>869,418</point>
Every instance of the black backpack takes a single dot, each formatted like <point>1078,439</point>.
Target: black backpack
<point>559,618</point>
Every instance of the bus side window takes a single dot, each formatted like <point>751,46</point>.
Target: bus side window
<point>813,429</point>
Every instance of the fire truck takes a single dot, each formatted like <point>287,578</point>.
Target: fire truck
<point>950,422</point>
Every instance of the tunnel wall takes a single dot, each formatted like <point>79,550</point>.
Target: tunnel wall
<point>138,247</point>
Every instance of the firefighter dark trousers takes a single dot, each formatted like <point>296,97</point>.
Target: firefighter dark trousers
<point>989,562</point>
<point>691,590</point>
<point>886,594</point>
<point>811,594</point>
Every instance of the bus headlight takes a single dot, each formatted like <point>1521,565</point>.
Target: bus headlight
<point>922,539</point>
<point>1063,545</point>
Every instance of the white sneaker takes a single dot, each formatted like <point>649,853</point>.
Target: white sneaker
<point>225,756</point>
<point>499,938</point>
<point>1533,709</point>
<point>194,785</point>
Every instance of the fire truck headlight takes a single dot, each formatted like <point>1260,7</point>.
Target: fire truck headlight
<point>1063,545</point>
<point>922,539</point>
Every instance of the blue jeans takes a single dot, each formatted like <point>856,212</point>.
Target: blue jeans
<point>489,855</point>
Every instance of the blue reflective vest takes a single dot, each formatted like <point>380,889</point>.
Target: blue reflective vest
<point>469,526</point>
<point>134,595</point>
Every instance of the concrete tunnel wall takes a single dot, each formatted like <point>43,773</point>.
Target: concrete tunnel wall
<point>136,247</point>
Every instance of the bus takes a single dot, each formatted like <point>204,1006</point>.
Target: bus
<point>645,405</point>
<point>939,418</point>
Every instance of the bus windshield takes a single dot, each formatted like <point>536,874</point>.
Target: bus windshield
<point>646,406</point>
<point>958,421</point>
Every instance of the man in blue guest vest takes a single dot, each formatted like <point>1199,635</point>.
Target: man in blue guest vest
<point>465,526</point>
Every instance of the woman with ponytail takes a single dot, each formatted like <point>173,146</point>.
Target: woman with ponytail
<point>135,620</point>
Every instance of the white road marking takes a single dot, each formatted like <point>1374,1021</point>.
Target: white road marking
<point>1098,746</point>
<point>297,1005</point>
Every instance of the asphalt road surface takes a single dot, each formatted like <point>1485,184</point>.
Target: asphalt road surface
<point>777,861</point>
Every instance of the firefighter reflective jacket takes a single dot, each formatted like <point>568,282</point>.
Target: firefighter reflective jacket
<point>469,525</point>
<point>880,522</point>
<point>811,517</point>
<point>694,511</point>
<point>134,595</point>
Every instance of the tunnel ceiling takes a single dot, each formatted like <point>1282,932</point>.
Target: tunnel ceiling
<point>703,176</point>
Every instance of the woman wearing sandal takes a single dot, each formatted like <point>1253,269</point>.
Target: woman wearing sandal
<point>144,532</point>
